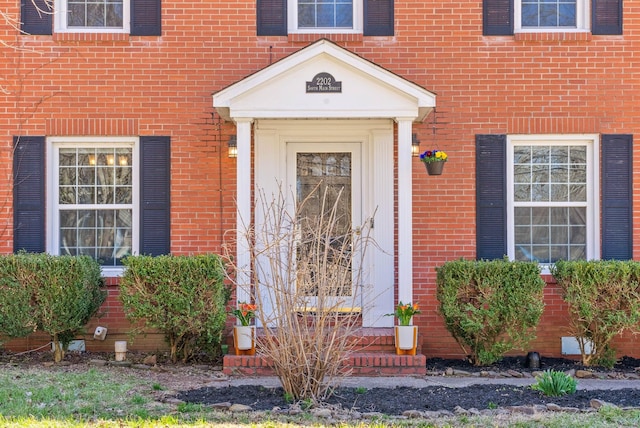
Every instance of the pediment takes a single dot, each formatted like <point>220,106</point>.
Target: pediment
<point>323,80</point>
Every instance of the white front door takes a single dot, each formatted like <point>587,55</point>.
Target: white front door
<point>351,156</point>
<point>322,175</point>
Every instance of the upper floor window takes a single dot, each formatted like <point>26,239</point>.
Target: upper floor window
<point>552,202</point>
<point>92,16</point>
<point>506,17</point>
<point>325,15</point>
<point>284,17</point>
<point>551,15</point>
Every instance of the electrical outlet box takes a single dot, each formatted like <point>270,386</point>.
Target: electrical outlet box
<point>100,333</point>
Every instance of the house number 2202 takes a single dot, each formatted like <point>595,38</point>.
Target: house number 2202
<point>323,83</point>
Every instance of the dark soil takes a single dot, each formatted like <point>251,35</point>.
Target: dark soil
<point>394,401</point>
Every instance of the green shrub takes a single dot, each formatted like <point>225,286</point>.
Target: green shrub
<point>66,292</point>
<point>490,307</point>
<point>604,300</point>
<point>54,294</point>
<point>553,383</point>
<point>182,296</point>
<point>16,318</point>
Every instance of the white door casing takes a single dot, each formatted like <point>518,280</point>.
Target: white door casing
<point>275,143</point>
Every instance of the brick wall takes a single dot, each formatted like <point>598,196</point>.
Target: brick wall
<point>69,84</point>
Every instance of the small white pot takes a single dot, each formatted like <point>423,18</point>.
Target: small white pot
<point>406,336</point>
<point>244,336</point>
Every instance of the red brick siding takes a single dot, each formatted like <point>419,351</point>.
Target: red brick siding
<point>93,84</point>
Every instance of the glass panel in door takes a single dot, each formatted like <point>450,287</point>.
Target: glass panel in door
<point>324,176</point>
<point>323,193</point>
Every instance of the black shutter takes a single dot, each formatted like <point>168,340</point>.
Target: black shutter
<point>28,194</point>
<point>378,18</point>
<point>146,18</point>
<point>271,17</point>
<point>155,220</point>
<point>491,196</point>
<point>497,17</point>
<point>36,17</point>
<point>606,17</point>
<point>617,194</point>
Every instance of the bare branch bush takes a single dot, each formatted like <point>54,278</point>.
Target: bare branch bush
<point>307,275</point>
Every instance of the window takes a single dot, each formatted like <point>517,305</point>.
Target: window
<point>495,203</point>
<point>325,15</point>
<point>549,15</point>
<point>92,15</point>
<point>41,164</point>
<point>504,17</point>
<point>284,17</point>
<point>94,208</point>
<point>552,201</point>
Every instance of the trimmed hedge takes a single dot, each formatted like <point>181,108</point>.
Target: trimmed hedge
<point>54,294</point>
<point>182,296</point>
<point>604,300</point>
<point>490,307</point>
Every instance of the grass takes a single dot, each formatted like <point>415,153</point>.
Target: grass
<point>54,397</point>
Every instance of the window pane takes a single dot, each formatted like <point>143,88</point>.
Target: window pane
<point>541,253</point>
<point>567,15</point>
<point>325,13</point>
<point>306,16</point>
<point>529,15</point>
<point>554,174</point>
<point>103,177</point>
<point>522,154</point>
<point>559,192</point>
<point>578,215</point>
<point>344,15</point>
<point>95,13</point>
<point>578,155</point>
<point>522,192</point>
<point>76,15</point>
<point>114,14</point>
<point>548,13</point>
<point>578,193</point>
<point>578,173</point>
<point>559,216</point>
<point>96,233</point>
<point>549,236</point>
<point>559,173</point>
<point>540,154</point>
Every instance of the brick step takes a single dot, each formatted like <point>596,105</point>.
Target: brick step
<point>370,339</point>
<point>360,363</point>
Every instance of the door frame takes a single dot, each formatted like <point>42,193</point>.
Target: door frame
<point>377,171</point>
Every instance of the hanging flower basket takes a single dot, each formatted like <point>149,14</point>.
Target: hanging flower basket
<point>434,161</point>
<point>434,168</point>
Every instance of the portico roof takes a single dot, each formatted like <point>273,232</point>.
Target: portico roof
<point>281,90</point>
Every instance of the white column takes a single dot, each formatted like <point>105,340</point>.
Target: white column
<point>405,211</point>
<point>243,201</point>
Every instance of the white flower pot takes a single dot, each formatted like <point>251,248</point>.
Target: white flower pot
<point>243,337</point>
<point>406,337</point>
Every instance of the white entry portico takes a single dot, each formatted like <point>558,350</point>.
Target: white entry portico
<point>325,96</point>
